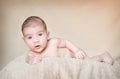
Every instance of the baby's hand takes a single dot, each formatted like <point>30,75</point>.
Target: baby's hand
<point>80,54</point>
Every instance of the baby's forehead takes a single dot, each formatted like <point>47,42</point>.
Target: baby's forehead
<point>34,25</point>
<point>33,29</point>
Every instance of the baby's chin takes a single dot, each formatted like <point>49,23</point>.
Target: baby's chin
<point>38,51</point>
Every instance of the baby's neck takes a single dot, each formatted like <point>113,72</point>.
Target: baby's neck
<point>36,53</point>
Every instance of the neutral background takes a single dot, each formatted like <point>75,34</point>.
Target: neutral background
<point>93,25</point>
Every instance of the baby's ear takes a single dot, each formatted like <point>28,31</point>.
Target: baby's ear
<point>48,34</point>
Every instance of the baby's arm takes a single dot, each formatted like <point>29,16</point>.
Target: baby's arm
<point>77,52</point>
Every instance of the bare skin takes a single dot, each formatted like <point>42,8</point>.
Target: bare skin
<point>104,57</point>
<point>37,39</point>
<point>52,50</point>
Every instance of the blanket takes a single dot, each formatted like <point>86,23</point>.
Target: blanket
<point>60,68</point>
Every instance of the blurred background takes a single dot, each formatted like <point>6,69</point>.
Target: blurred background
<point>93,25</point>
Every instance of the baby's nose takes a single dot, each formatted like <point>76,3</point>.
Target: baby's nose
<point>36,40</point>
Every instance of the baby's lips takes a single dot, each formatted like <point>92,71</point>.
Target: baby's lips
<point>37,46</point>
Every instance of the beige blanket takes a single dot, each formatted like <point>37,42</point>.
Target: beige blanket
<point>60,68</point>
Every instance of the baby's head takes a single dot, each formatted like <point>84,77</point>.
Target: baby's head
<point>35,34</point>
<point>33,20</point>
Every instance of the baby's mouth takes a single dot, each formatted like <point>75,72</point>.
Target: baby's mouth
<point>37,46</point>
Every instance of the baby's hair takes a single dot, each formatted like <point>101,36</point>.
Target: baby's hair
<point>34,19</point>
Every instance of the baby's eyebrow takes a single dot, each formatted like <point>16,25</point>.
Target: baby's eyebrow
<point>27,35</point>
<point>41,31</point>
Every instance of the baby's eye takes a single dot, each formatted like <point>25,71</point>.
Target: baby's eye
<point>40,34</point>
<point>30,37</point>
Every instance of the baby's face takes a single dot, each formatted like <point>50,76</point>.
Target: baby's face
<point>36,38</point>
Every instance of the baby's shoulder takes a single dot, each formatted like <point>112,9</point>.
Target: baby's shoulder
<point>54,40</point>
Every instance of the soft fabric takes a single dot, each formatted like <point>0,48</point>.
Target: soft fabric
<point>60,68</point>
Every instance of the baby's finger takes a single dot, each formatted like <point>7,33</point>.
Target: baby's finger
<point>80,57</point>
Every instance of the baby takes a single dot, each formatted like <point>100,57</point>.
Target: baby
<point>36,37</point>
